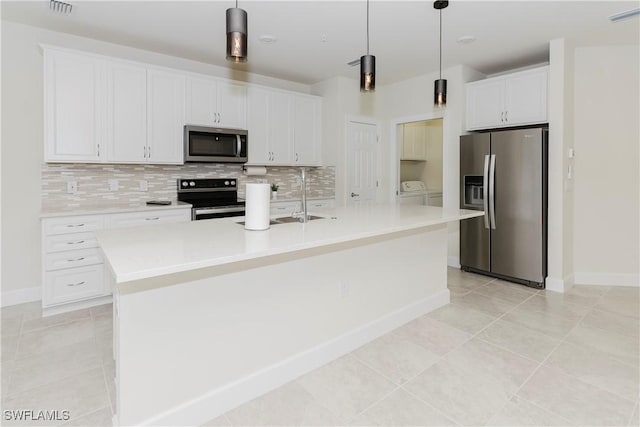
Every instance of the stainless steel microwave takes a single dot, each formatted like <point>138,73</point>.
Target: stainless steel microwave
<point>206,144</point>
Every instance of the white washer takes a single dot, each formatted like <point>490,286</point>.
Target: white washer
<point>434,198</point>
<point>413,198</point>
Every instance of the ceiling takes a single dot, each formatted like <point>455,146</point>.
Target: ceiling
<point>316,39</point>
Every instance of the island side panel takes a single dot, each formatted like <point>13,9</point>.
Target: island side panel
<point>189,352</point>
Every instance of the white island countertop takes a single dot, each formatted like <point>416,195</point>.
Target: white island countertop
<point>153,251</point>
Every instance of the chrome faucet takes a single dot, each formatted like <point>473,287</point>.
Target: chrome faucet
<point>303,216</point>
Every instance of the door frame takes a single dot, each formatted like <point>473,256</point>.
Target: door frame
<point>365,121</point>
<point>394,148</point>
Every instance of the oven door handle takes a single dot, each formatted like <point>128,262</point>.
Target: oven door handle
<point>218,210</point>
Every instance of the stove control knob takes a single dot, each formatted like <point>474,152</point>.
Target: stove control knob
<point>185,183</point>
<point>226,183</point>
<point>193,184</point>
<point>233,183</point>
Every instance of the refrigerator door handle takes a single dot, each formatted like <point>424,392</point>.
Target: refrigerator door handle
<point>485,189</point>
<point>492,191</point>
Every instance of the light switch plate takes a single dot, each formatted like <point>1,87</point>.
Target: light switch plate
<point>144,185</point>
<point>113,185</point>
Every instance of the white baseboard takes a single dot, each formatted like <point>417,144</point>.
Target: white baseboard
<point>221,400</point>
<point>453,261</point>
<point>559,285</point>
<point>21,296</point>
<point>607,279</point>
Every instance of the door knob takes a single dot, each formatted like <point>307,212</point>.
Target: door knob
<point>354,195</point>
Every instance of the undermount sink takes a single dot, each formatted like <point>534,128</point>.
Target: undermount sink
<point>288,219</point>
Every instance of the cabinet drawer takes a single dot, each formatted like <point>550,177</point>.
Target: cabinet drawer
<point>147,218</point>
<point>66,242</point>
<point>73,224</point>
<point>73,284</point>
<point>70,259</point>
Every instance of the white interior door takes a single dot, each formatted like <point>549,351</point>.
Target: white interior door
<point>362,163</point>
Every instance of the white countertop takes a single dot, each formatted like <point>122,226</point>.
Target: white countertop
<point>152,251</point>
<point>109,208</point>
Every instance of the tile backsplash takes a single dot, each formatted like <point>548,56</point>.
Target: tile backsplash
<point>93,182</point>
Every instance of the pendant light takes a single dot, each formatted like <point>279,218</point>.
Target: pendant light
<point>440,85</point>
<point>367,66</point>
<point>236,34</point>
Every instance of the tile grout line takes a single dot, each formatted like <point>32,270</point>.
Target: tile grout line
<point>442,357</point>
<point>545,360</point>
<point>401,386</point>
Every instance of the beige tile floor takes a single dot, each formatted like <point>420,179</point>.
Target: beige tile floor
<point>499,354</point>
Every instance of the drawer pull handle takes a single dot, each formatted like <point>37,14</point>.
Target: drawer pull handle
<point>75,225</point>
<point>73,285</point>
<point>152,219</point>
<point>77,242</point>
<point>75,259</point>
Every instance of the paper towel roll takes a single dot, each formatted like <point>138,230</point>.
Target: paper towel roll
<point>255,170</point>
<point>257,207</point>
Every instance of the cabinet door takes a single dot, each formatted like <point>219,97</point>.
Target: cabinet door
<point>258,126</point>
<point>280,128</point>
<point>232,105</point>
<point>201,101</point>
<point>74,112</point>
<point>526,97</point>
<point>408,137</point>
<point>420,143</point>
<point>165,117</point>
<point>485,104</point>
<point>126,113</point>
<point>306,126</point>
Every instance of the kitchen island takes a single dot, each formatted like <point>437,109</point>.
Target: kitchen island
<point>208,316</point>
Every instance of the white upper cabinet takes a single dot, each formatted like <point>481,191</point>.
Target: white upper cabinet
<point>212,102</point>
<point>284,128</point>
<point>510,100</point>
<point>126,113</point>
<point>165,117</point>
<point>414,142</point>
<point>280,128</point>
<point>306,129</point>
<point>74,95</point>
<point>258,126</point>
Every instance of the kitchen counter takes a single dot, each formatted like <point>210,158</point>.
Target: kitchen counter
<point>142,253</point>
<point>108,208</point>
<point>208,316</point>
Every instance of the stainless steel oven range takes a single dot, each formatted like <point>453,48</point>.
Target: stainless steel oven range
<point>211,198</point>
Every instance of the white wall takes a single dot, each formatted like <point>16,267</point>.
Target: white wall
<point>22,139</point>
<point>342,99</point>
<point>606,189</point>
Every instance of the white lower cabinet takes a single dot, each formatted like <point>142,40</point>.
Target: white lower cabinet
<point>287,207</point>
<point>73,269</point>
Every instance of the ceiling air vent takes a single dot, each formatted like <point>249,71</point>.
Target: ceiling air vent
<point>60,7</point>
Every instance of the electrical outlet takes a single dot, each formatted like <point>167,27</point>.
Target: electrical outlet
<point>144,185</point>
<point>113,185</point>
<point>72,187</point>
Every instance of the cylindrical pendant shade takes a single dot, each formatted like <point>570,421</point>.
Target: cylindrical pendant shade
<point>440,93</point>
<point>236,35</point>
<point>367,73</point>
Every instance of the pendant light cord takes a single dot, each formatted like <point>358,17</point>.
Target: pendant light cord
<point>367,27</point>
<point>236,4</point>
<point>440,44</point>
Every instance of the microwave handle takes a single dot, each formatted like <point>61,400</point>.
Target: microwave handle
<point>238,145</point>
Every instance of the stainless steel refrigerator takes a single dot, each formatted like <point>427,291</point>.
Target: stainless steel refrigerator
<point>504,173</point>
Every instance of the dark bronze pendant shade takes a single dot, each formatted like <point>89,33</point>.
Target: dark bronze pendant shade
<point>440,85</point>
<point>367,66</point>
<point>236,34</point>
